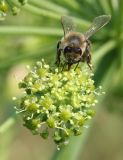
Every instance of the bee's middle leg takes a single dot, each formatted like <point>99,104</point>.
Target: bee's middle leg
<point>88,60</point>
<point>76,66</point>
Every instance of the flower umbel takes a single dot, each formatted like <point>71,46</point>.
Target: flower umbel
<point>9,6</point>
<point>61,101</point>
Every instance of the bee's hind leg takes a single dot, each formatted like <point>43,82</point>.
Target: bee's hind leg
<point>88,56</point>
<point>88,60</point>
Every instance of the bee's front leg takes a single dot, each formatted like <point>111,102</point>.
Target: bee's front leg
<point>69,66</point>
<point>58,54</point>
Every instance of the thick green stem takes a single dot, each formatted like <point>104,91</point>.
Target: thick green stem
<point>7,124</point>
<point>104,50</point>
<point>46,13</point>
<point>40,11</point>
<point>53,15</point>
<point>105,5</point>
<point>50,6</point>
<point>73,4</point>
<point>16,30</point>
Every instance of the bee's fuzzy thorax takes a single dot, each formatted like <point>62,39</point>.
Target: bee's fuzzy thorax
<point>75,37</point>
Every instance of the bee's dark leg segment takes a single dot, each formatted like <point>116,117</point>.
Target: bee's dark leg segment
<point>76,66</point>
<point>58,54</point>
<point>88,42</point>
<point>88,60</point>
<point>69,66</point>
<point>88,55</point>
<point>63,66</point>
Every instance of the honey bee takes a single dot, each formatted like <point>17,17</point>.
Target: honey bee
<point>75,46</point>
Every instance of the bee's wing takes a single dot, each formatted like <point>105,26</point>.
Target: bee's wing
<point>97,24</point>
<point>67,24</point>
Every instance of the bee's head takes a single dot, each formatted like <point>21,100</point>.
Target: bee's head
<point>72,54</point>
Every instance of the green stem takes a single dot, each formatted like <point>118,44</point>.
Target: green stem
<point>46,13</point>
<point>73,4</point>
<point>121,69</point>
<point>43,12</point>
<point>50,6</point>
<point>120,18</point>
<point>15,30</point>
<point>9,3</point>
<point>6,136</point>
<point>7,124</point>
<point>106,80</point>
<point>38,11</point>
<point>53,15</point>
<point>104,50</point>
<point>105,5</point>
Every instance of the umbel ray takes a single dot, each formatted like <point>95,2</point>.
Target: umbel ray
<point>75,46</point>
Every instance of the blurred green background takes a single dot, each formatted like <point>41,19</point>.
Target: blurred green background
<point>33,34</point>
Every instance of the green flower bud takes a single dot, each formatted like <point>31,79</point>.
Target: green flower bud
<point>42,72</point>
<point>51,122</point>
<point>15,10</point>
<point>77,131</point>
<point>44,134</point>
<point>22,84</point>
<point>32,124</point>
<point>33,107</point>
<point>57,137</point>
<point>91,112</point>
<point>65,114</point>
<point>23,2</point>
<point>3,6</point>
<point>46,102</point>
<point>79,119</point>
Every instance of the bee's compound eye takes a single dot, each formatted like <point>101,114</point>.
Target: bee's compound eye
<point>67,49</point>
<point>78,50</point>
